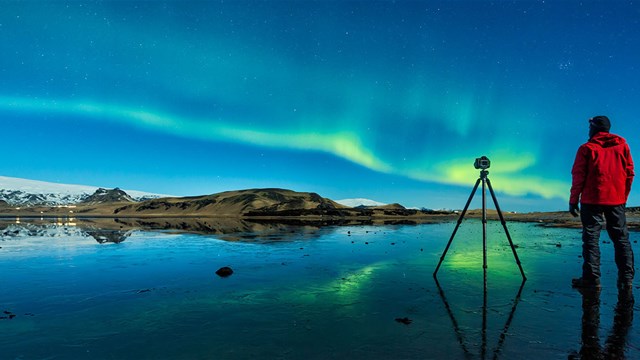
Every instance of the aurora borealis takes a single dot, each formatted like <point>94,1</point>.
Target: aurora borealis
<point>388,100</point>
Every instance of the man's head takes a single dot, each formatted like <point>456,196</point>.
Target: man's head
<point>598,124</point>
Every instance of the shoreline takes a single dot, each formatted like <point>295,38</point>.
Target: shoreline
<point>346,217</point>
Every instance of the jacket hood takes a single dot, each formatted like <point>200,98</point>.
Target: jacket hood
<point>606,139</point>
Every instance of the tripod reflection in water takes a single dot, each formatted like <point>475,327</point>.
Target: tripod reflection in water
<point>460,335</point>
<point>616,342</point>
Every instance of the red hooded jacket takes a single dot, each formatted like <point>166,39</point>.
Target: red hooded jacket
<point>603,171</point>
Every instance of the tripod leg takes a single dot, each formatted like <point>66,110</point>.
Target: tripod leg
<point>464,211</point>
<point>484,226</point>
<point>506,231</point>
<point>484,317</point>
<point>456,327</point>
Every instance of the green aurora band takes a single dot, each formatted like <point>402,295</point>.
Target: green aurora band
<point>345,142</point>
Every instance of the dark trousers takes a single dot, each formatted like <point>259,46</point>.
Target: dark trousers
<point>593,217</point>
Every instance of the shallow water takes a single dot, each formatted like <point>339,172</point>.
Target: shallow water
<point>305,292</point>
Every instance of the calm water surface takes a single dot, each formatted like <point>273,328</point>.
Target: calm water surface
<point>305,293</point>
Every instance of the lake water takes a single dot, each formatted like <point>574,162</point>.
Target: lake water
<point>304,292</point>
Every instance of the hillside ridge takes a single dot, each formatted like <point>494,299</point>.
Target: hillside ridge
<point>232,203</point>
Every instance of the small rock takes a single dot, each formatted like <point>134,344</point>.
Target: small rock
<point>224,271</point>
<point>6,312</point>
<point>404,320</point>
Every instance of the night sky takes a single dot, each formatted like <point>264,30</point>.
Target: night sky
<point>387,100</point>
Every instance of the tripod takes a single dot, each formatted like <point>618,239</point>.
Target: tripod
<point>484,164</point>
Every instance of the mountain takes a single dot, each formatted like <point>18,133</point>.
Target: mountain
<point>24,192</point>
<point>23,197</point>
<point>102,196</point>
<point>234,203</point>
<point>359,203</point>
<point>264,204</point>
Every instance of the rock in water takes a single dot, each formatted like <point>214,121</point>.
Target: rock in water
<point>224,272</point>
<point>404,320</point>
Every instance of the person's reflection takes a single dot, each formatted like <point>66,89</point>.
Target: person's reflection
<point>615,344</point>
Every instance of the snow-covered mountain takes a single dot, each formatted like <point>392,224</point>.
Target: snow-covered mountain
<point>24,192</point>
<point>359,202</point>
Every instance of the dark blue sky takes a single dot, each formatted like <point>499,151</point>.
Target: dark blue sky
<point>389,100</point>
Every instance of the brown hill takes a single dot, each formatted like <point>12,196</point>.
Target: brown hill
<point>102,196</point>
<point>231,203</point>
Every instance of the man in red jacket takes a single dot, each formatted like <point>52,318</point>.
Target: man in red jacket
<point>602,177</point>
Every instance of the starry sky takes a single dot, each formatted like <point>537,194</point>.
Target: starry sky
<point>386,100</point>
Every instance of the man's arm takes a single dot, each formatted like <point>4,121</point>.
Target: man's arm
<point>579,175</point>
<point>630,171</point>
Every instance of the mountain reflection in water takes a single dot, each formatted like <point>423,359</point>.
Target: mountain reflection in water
<point>117,230</point>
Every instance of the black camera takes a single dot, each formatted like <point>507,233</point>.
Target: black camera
<point>482,163</point>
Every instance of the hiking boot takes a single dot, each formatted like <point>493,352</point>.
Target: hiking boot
<point>581,283</point>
